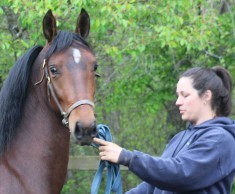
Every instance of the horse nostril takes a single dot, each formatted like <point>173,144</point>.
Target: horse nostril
<point>94,131</point>
<point>78,131</point>
<point>82,132</point>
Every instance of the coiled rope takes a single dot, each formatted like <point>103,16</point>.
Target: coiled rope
<point>113,173</point>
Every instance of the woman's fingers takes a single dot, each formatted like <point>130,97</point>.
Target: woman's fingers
<point>108,150</point>
<point>100,141</point>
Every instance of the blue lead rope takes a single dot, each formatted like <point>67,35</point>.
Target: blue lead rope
<point>113,174</point>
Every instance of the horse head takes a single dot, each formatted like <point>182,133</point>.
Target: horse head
<point>70,68</point>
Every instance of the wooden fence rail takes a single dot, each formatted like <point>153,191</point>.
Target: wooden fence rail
<point>86,163</point>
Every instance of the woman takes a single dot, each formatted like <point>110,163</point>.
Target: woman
<point>198,160</point>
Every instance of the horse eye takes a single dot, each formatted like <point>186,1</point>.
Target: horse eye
<point>96,67</point>
<point>53,69</point>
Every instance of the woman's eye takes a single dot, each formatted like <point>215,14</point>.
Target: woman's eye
<point>185,95</point>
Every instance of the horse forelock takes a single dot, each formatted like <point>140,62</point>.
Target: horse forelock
<point>63,40</point>
<point>12,96</point>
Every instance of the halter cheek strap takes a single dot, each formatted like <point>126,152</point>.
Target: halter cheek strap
<point>50,91</point>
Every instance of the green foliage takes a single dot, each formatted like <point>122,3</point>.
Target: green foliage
<point>78,182</point>
<point>142,47</point>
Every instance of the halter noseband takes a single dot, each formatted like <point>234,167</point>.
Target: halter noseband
<point>50,90</point>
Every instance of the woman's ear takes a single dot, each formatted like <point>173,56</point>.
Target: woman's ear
<point>207,96</point>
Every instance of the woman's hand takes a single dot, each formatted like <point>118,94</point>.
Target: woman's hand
<point>108,151</point>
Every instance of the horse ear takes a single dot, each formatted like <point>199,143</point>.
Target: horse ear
<point>83,24</point>
<point>49,26</point>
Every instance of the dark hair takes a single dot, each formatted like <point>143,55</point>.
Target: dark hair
<point>218,81</point>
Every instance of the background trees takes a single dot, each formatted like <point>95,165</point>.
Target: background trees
<point>141,47</point>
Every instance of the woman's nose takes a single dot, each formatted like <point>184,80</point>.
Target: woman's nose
<point>178,101</point>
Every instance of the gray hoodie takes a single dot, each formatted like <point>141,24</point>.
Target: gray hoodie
<point>198,160</point>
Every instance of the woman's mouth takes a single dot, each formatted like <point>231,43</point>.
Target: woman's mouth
<point>182,111</point>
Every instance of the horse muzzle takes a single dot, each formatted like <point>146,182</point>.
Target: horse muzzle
<point>84,134</point>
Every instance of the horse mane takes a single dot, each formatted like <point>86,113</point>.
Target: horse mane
<point>13,94</point>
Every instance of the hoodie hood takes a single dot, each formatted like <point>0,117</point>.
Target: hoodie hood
<point>221,122</point>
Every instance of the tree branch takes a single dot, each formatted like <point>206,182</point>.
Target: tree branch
<point>12,23</point>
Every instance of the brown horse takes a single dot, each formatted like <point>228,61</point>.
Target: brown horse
<point>45,86</point>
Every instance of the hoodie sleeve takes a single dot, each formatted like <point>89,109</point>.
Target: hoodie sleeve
<point>198,166</point>
<point>142,188</point>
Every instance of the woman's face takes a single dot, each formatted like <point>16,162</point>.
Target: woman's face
<point>191,105</point>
